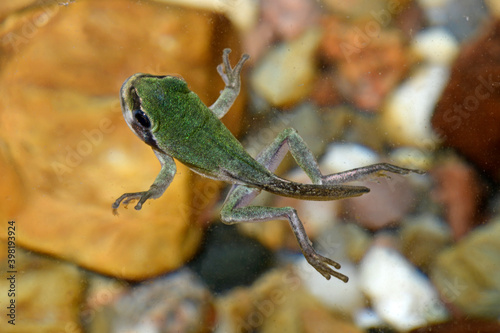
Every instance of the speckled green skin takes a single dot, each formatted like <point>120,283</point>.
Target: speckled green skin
<point>189,131</point>
<point>164,113</point>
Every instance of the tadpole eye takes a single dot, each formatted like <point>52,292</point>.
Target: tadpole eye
<point>142,118</point>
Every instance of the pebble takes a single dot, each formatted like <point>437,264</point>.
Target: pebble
<point>286,74</point>
<point>289,18</point>
<point>368,319</point>
<point>279,20</point>
<point>461,17</point>
<point>340,157</point>
<point>228,259</point>
<point>407,113</point>
<point>494,7</point>
<point>411,157</point>
<point>461,193</point>
<point>325,91</point>
<point>435,45</point>
<point>357,241</point>
<point>422,238</point>
<point>178,302</point>
<point>387,203</point>
<point>462,325</point>
<point>389,199</point>
<point>277,302</point>
<point>360,9</point>
<point>398,292</point>
<point>369,59</point>
<point>343,298</point>
<point>346,125</point>
<point>305,118</point>
<point>467,275</point>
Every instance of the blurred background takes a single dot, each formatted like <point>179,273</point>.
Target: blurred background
<point>414,83</point>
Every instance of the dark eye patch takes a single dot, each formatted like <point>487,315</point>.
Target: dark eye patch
<point>142,118</point>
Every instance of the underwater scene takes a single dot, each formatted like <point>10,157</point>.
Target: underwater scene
<point>250,166</point>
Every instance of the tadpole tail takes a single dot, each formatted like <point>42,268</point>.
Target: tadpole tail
<point>313,192</point>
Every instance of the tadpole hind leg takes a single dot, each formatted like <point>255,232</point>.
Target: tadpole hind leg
<point>236,208</point>
<point>233,211</point>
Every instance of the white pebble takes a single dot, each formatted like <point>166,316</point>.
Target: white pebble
<point>342,297</point>
<point>367,318</point>
<point>436,45</point>
<point>399,293</point>
<point>408,111</point>
<point>345,156</point>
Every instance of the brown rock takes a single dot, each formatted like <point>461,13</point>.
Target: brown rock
<point>460,191</point>
<point>318,319</point>
<point>467,274</point>
<point>468,115</point>
<point>365,9</point>
<point>371,59</point>
<point>462,325</point>
<point>422,237</point>
<point>277,302</point>
<point>71,149</point>
<point>280,20</point>
<point>325,91</point>
<point>178,302</point>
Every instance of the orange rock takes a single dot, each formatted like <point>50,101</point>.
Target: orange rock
<point>371,59</point>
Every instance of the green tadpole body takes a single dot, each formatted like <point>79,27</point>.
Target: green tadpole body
<point>165,114</point>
